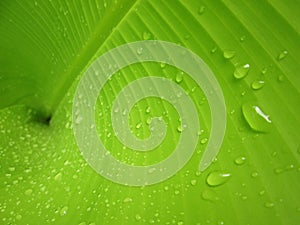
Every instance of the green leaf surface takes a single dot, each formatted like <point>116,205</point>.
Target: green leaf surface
<point>45,47</point>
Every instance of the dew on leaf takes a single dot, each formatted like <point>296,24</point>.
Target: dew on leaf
<point>213,50</point>
<point>201,10</point>
<point>146,35</point>
<point>138,217</point>
<point>269,204</point>
<point>139,51</point>
<point>127,200</point>
<point>193,182</point>
<point>240,160</point>
<point>28,192</point>
<point>228,54</point>
<point>257,84</point>
<point>241,71</point>
<point>282,55</point>
<point>63,211</point>
<point>256,118</point>
<point>179,77</point>
<point>209,195</point>
<point>217,178</point>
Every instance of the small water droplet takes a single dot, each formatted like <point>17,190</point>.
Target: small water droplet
<point>58,177</point>
<point>18,217</point>
<point>256,118</point>
<point>254,174</point>
<point>63,211</point>
<point>179,128</point>
<point>201,10</point>
<point>213,50</point>
<point>269,204</point>
<point>280,78</point>
<point>28,192</point>
<point>203,141</point>
<point>193,182</point>
<point>177,192</point>
<point>228,54</point>
<point>282,55</point>
<point>284,169</point>
<point>127,200</point>
<point>209,195</point>
<point>162,65</point>
<point>138,217</point>
<point>148,110</point>
<point>146,35</point>
<point>139,51</point>
<point>217,178</point>
<point>179,77</point>
<point>240,160</point>
<point>264,70</point>
<point>138,125</point>
<point>242,39</point>
<point>241,71</point>
<point>257,84</point>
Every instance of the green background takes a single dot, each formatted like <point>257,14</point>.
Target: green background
<point>45,46</point>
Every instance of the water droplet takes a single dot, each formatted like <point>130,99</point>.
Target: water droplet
<point>201,10</point>
<point>242,39</point>
<point>139,51</point>
<point>58,177</point>
<point>213,50</point>
<point>28,192</point>
<point>282,55</point>
<point>203,141</point>
<point>193,182</point>
<point>11,169</point>
<point>284,169</point>
<point>146,35</point>
<point>78,119</point>
<point>241,71</point>
<point>127,199</point>
<point>138,217</point>
<point>264,70</point>
<point>176,192</point>
<point>256,118</point>
<point>138,125</point>
<point>257,84</point>
<point>280,78</point>
<point>63,211</point>
<point>228,54</point>
<point>217,178</point>
<point>179,128</point>
<point>209,195</point>
<point>269,204</point>
<point>18,217</point>
<point>148,110</point>
<point>162,65</point>
<point>254,174</point>
<point>240,160</point>
<point>179,77</point>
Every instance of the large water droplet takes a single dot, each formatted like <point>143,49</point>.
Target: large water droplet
<point>228,54</point>
<point>217,178</point>
<point>256,118</point>
<point>241,71</point>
